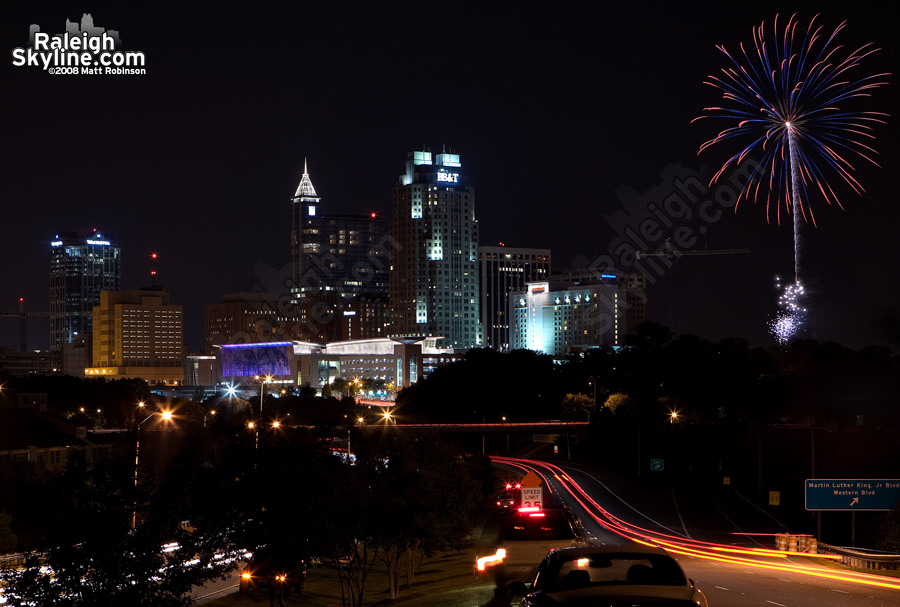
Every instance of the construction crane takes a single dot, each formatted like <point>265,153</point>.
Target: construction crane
<point>670,251</point>
<point>667,250</point>
<point>23,317</point>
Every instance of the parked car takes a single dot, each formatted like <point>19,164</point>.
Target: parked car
<point>605,576</point>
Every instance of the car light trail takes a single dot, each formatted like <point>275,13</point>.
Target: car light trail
<point>489,561</point>
<point>711,551</point>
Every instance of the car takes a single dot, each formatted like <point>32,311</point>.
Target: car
<point>524,538</point>
<point>610,576</point>
<point>506,501</point>
<point>282,575</point>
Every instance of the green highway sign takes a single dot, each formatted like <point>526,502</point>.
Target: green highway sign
<point>852,494</point>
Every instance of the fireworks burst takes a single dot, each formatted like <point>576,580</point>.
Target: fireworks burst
<point>791,315</point>
<point>787,99</point>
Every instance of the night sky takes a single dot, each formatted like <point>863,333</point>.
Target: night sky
<point>561,116</point>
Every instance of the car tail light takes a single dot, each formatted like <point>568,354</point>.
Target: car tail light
<point>489,561</point>
<point>529,509</point>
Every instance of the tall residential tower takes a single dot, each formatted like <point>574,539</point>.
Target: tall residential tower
<point>434,284</point>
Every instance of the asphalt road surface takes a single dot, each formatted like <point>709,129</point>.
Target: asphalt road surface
<point>723,543</point>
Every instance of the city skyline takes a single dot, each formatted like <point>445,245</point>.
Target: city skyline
<point>569,123</point>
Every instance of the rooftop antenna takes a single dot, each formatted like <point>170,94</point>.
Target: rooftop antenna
<point>153,259</point>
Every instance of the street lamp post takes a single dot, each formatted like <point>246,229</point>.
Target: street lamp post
<point>262,394</point>
<point>166,415</point>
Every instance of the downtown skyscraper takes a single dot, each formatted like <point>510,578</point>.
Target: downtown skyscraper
<point>338,254</point>
<point>434,284</point>
<point>82,264</point>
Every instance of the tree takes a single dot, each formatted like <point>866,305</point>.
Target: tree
<point>574,404</point>
<point>101,560</point>
<point>8,540</point>
<point>619,403</point>
<point>426,495</point>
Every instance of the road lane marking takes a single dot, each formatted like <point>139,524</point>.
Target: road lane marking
<point>781,579</point>
<point>774,603</point>
<point>721,588</point>
<point>841,591</point>
<point>206,596</point>
<point>611,492</point>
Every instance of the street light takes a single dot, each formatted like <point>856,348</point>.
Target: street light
<point>167,416</point>
<point>673,415</point>
<point>262,394</point>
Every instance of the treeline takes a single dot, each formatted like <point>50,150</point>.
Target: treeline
<point>219,496</point>
<point>807,383</point>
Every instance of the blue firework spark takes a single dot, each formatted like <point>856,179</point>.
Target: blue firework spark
<point>790,98</point>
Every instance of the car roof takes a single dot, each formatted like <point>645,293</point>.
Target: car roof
<point>630,548</point>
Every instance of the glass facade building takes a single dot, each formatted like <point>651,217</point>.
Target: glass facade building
<point>82,264</point>
<point>434,286</point>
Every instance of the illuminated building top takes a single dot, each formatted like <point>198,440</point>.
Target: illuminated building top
<point>82,265</point>
<point>305,189</point>
<point>434,285</point>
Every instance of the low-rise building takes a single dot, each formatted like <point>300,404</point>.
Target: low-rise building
<point>397,362</point>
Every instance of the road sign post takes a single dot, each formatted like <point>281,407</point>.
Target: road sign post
<point>532,497</point>
<point>852,494</point>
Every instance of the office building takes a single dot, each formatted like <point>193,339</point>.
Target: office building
<point>559,318</point>
<point>365,318</point>
<point>138,334</point>
<point>242,317</point>
<point>504,270</point>
<point>335,253</point>
<point>434,287</point>
<point>631,285</point>
<point>29,362</point>
<point>82,264</point>
<point>200,370</point>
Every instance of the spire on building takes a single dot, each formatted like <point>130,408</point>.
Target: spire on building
<point>305,189</point>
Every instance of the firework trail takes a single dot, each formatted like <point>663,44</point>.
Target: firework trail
<point>786,97</point>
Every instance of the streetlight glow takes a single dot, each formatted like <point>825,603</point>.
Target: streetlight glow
<point>166,415</point>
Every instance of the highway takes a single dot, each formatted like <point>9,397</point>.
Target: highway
<point>732,566</point>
